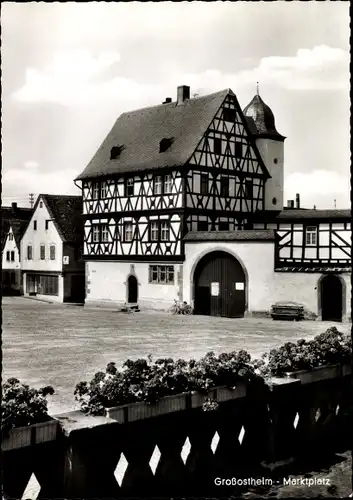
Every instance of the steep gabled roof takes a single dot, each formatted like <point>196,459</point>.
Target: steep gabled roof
<point>141,131</point>
<point>18,219</point>
<point>66,212</point>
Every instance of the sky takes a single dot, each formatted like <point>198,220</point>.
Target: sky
<point>69,70</point>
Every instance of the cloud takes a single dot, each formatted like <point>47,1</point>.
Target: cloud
<point>40,182</point>
<point>78,77</point>
<point>70,77</point>
<point>320,187</point>
<point>320,68</point>
<point>31,165</point>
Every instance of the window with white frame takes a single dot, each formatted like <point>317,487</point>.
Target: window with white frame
<point>105,232</point>
<point>29,252</point>
<point>104,190</point>
<point>154,230</point>
<point>167,184</point>
<point>161,275</point>
<point>52,252</point>
<point>129,187</point>
<point>95,233</point>
<point>42,252</point>
<point>95,190</point>
<point>12,256</point>
<point>311,236</point>
<point>157,188</point>
<point>128,231</point>
<point>165,231</point>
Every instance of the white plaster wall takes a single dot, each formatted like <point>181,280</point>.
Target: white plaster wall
<point>10,246</point>
<point>38,237</point>
<point>107,284</point>
<point>257,259</point>
<point>303,288</point>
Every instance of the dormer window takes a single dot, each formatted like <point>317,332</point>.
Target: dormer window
<point>229,115</point>
<point>165,144</point>
<point>115,152</point>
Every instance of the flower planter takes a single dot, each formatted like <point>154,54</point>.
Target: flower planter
<point>20,437</point>
<point>141,410</point>
<point>220,394</point>
<point>320,373</point>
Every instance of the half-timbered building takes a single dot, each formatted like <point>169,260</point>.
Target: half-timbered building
<point>176,202</point>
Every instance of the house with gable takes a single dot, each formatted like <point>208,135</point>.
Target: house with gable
<point>184,200</point>
<point>14,221</point>
<point>51,250</point>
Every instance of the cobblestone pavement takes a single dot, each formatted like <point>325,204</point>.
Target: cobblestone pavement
<point>61,345</point>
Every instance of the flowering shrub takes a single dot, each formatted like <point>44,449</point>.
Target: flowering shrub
<point>22,405</point>
<point>327,348</point>
<point>145,380</point>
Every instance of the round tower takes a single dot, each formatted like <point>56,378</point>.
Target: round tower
<point>270,144</point>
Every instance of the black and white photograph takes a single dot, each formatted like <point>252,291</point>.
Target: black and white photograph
<point>176,250</point>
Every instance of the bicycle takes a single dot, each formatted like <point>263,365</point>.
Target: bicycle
<point>181,308</point>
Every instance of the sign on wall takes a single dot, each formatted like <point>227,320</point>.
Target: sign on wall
<point>239,286</point>
<point>66,259</point>
<point>215,289</point>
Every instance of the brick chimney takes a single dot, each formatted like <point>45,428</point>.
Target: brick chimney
<point>167,100</point>
<point>290,204</point>
<point>13,208</point>
<point>183,94</point>
<point>297,200</point>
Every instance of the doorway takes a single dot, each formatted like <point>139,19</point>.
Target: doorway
<point>132,289</point>
<point>220,286</point>
<point>331,298</point>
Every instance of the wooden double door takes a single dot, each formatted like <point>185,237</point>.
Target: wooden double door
<point>220,286</point>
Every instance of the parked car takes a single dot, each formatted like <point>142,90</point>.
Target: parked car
<point>287,310</point>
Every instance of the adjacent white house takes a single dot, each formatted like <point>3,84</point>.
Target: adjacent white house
<point>14,221</point>
<point>51,250</point>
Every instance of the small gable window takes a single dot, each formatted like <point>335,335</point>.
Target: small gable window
<point>115,152</point>
<point>46,225</point>
<point>217,146</point>
<point>10,236</point>
<point>238,150</point>
<point>229,115</point>
<point>204,184</point>
<point>165,144</point>
<point>41,204</point>
<point>35,225</point>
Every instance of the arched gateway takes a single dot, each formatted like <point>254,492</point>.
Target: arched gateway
<point>219,286</point>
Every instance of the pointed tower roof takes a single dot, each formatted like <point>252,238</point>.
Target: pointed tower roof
<point>263,118</point>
